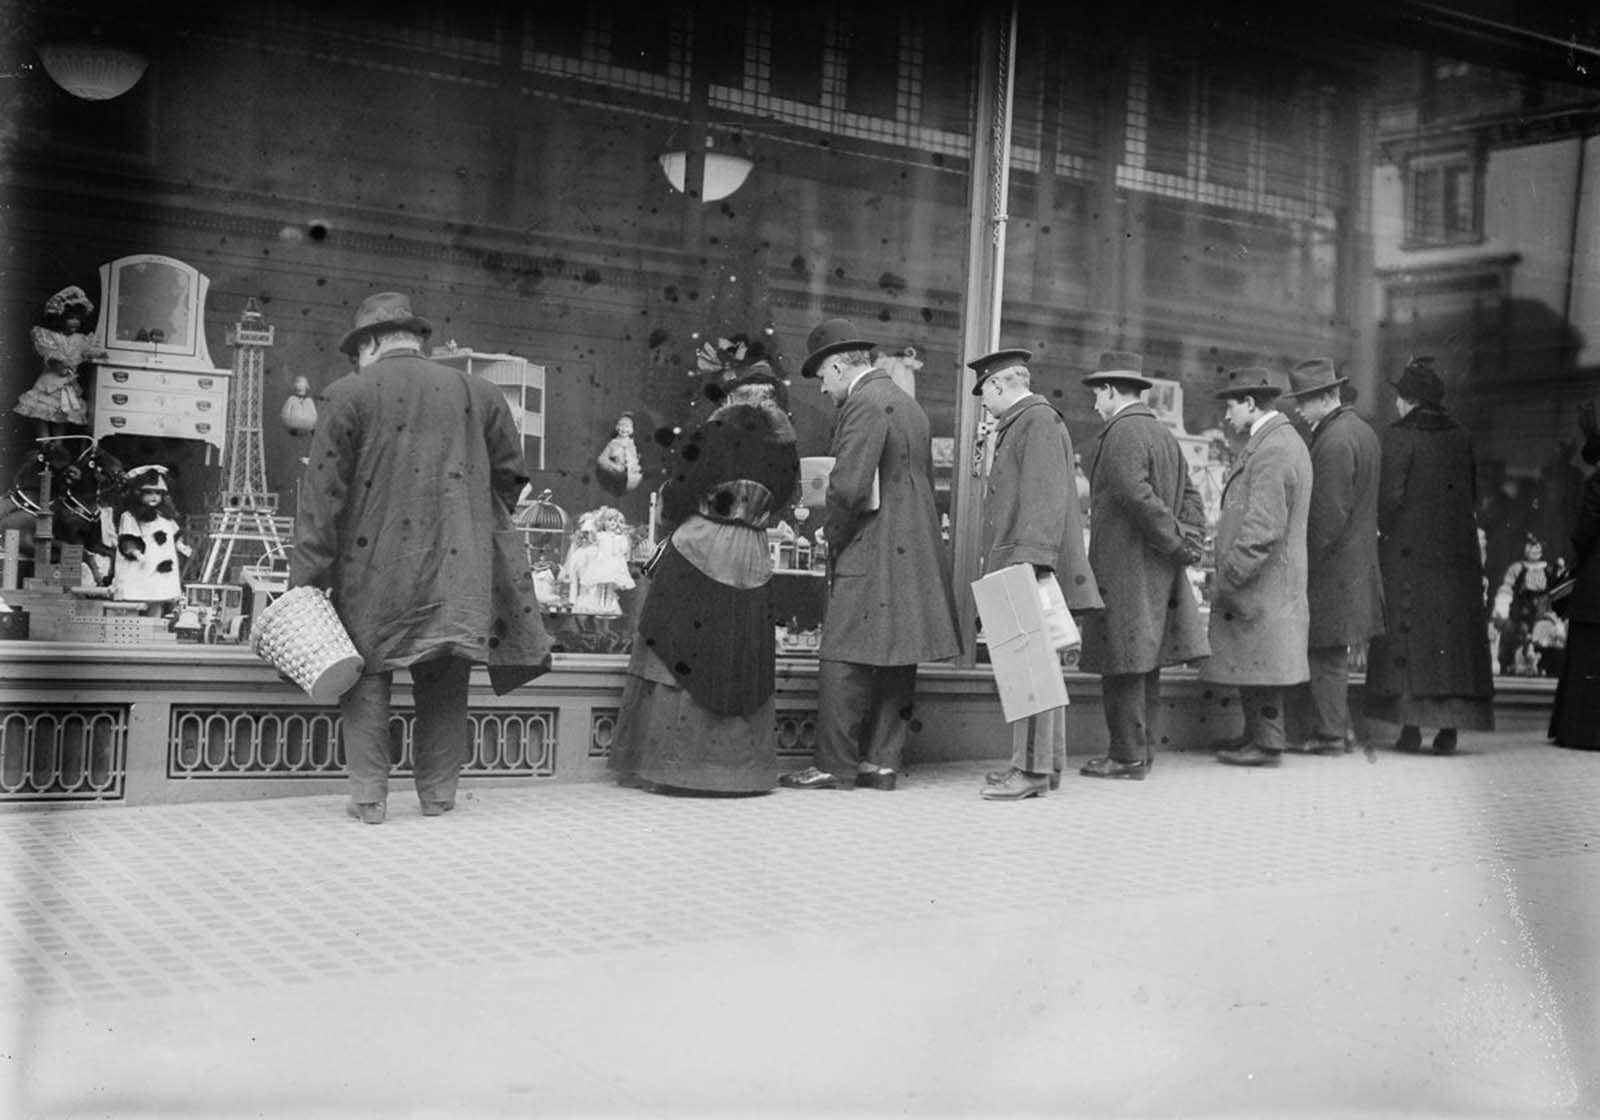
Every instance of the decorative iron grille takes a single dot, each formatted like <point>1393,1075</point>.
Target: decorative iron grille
<point>63,753</point>
<point>797,734</point>
<point>306,743</point>
<point>602,731</point>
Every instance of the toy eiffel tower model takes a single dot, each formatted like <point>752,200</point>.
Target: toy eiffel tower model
<point>244,528</point>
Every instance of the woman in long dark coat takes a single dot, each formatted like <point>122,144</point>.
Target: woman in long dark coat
<point>697,711</point>
<point>1575,720</point>
<point>1432,667</point>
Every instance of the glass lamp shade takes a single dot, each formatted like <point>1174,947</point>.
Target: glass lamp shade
<point>93,71</point>
<point>724,173</point>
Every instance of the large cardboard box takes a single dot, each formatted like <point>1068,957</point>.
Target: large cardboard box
<point>814,472</point>
<point>1027,668</point>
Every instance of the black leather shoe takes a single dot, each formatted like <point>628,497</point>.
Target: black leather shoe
<point>1410,740</point>
<point>1250,756</point>
<point>1445,741</point>
<point>876,779</point>
<point>1000,777</point>
<point>1107,767</point>
<point>809,778</point>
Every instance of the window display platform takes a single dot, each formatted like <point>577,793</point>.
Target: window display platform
<point>92,724</point>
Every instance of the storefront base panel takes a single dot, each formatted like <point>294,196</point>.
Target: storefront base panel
<point>86,725</point>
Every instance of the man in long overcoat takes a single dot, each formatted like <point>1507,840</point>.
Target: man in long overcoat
<point>1146,523</point>
<point>1344,585</point>
<point>1260,621</point>
<point>889,600</point>
<point>404,517</point>
<point>1031,516</point>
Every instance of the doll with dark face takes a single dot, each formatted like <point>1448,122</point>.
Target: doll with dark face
<point>150,550</point>
<point>55,400</point>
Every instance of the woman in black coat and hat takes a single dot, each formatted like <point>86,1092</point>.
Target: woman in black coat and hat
<point>697,711</point>
<point>1575,719</point>
<point>1431,669</point>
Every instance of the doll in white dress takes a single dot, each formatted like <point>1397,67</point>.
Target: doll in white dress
<point>55,400</point>
<point>150,548</point>
<point>597,566</point>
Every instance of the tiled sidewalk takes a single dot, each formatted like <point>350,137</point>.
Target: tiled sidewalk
<point>1400,936</point>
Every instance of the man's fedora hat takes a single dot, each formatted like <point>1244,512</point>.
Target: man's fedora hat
<point>991,364</point>
<point>828,338</point>
<point>384,311</point>
<point>1119,366</point>
<point>1253,381</point>
<point>1312,376</point>
<point>1419,382</point>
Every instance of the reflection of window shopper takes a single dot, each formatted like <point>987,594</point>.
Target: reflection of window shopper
<point>1575,719</point>
<point>405,518</point>
<point>1344,588</point>
<point>1148,528</point>
<point>1031,516</point>
<point>889,602</point>
<point>1259,619</point>
<point>1431,668</point>
<point>697,709</point>
<point>1521,599</point>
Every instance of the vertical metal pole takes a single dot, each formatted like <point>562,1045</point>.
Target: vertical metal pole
<point>984,291</point>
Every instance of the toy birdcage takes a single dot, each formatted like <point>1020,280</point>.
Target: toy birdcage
<point>544,528</point>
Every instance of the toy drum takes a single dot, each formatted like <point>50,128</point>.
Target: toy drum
<point>300,635</point>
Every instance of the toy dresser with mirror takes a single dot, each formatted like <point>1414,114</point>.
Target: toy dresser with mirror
<point>157,378</point>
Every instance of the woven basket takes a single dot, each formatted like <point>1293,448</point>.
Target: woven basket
<point>300,635</point>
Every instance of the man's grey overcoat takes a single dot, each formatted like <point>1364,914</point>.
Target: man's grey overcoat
<point>1260,620</point>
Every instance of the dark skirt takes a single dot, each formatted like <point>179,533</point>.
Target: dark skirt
<point>667,741</point>
<point>1575,719</point>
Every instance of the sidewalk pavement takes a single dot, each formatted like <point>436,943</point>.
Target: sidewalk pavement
<point>1358,936</point>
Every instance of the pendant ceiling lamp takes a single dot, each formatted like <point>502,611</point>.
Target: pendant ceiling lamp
<point>93,71</point>
<point>725,171</point>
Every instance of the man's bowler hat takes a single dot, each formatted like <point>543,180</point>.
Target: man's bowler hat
<point>829,338</point>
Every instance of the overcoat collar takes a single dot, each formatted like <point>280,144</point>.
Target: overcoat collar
<point>1327,422</point>
<point>866,379</point>
<point>1428,418</point>
<point>1272,424</point>
<point>1009,416</point>
<point>1139,409</point>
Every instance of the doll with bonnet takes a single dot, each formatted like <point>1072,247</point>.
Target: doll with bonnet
<point>149,541</point>
<point>55,400</point>
<point>597,565</point>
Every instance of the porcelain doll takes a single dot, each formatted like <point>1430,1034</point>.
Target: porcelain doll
<point>150,548</point>
<point>597,565</point>
<point>55,401</point>
<point>617,467</point>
